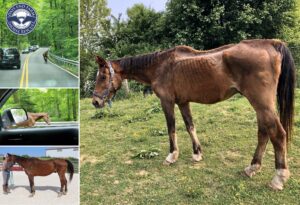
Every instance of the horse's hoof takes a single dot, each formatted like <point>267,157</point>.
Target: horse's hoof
<point>251,170</point>
<point>166,163</point>
<point>31,195</point>
<point>64,193</point>
<point>276,187</point>
<point>197,157</point>
<point>282,175</point>
<point>171,158</point>
<point>59,194</point>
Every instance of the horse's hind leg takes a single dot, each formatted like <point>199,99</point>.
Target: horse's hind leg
<point>282,171</point>
<point>269,127</point>
<point>188,121</point>
<point>65,183</point>
<point>263,138</point>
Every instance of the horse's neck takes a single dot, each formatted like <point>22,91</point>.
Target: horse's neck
<point>38,116</point>
<point>140,68</point>
<point>141,77</point>
<point>21,161</point>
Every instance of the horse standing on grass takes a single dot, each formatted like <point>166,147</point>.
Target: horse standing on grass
<point>36,167</point>
<point>257,69</point>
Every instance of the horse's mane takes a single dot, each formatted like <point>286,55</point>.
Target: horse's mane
<point>143,61</point>
<point>24,158</point>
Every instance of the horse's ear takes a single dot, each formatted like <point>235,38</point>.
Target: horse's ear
<point>8,154</point>
<point>100,61</point>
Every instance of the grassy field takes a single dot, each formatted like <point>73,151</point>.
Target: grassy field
<point>227,131</point>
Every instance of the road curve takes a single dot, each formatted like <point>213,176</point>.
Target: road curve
<point>35,73</point>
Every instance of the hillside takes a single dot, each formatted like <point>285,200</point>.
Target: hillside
<point>227,132</point>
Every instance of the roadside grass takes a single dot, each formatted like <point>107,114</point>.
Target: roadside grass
<point>70,68</point>
<point>227,131</point>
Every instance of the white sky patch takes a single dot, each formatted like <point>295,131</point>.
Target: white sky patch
<point>117,7</point>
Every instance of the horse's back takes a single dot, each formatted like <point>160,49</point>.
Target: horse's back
<point>220,73</point>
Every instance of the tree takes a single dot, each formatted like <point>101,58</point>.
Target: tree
<point>57,27</point>
<point>208,24</point>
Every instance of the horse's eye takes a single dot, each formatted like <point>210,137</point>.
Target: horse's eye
<point>104,77</point>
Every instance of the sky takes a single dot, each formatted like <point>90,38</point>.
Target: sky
<point>120,6</point>
<point>31,151</point>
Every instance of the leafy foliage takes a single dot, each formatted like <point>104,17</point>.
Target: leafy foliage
<point>208,24</point>
<point>147,154</point>
<point>57,27</point>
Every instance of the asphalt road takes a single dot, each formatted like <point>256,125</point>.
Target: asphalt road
<point>35,73</point>
<point>46,191</point>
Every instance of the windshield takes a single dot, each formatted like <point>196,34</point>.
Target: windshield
<point>11,51</point>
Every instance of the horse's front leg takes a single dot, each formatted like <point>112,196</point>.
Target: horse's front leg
<point>168,108</point>
<point>188,121</point>
<point>31,182</point>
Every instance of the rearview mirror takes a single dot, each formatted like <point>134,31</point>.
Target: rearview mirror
<point>13,116</point>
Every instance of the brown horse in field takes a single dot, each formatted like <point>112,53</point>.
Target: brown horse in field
<point>36,167</point>
<point>261,70</point>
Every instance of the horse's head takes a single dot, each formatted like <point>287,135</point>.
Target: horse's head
<point>10,158</point>
<point>108,81</point>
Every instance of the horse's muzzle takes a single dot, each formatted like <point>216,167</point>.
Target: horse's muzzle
<point>98,103</point>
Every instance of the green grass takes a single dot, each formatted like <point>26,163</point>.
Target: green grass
<point>227,131</point>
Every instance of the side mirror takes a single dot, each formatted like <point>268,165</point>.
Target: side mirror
<point>13,116</point>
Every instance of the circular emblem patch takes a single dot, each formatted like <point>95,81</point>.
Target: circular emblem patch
<point>21,19</point>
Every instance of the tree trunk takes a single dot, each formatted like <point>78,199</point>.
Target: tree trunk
<point>74,104</point>
<point>68,105</point>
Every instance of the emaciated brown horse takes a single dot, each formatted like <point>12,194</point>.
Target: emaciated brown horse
<point>33,117</point>
<point>260,70</point>
<point>36,167</point>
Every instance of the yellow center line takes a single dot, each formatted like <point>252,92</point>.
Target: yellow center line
<point>25,73</point>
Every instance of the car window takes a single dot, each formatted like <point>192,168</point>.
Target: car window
<point>11,51</point>
<point>59,105</point>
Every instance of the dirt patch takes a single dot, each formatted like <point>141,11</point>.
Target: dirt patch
<point>142,173</point>
<point>129,162</point>
<point>88,159</point>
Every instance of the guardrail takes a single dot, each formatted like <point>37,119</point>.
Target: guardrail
<point>69,65</point>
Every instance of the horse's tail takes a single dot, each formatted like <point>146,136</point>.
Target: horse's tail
<point>70,169</point>
<point>285,89</point>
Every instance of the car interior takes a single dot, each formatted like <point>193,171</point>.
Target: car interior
<point>57,133</point>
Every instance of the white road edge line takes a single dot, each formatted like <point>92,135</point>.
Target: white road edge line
<point>63,69</point>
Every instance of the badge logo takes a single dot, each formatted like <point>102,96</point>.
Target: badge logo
<point>21,19</point>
